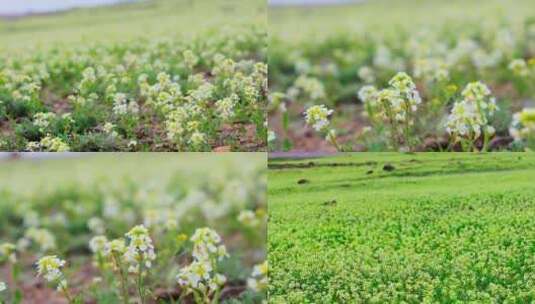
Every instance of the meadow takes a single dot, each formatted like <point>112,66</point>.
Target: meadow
<point>143,228</point>
<point>402,228</point>
<point>161,75</point>
<point>412,75</point>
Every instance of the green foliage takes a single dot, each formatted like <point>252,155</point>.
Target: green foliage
<point>412,228</point>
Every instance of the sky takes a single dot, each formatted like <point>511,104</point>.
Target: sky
<point>17,7</point>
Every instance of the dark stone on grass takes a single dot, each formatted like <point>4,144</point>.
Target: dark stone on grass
<point>303,181</point>
<point>329,203</point>
<point>388,167</point>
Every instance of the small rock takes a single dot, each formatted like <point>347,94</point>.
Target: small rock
<point>389,167</point>
<point>303,181</point>
<point>329,203</point>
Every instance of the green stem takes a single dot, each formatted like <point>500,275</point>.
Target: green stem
<point>65,291</point>
<point>140,282</point>
<point>124,290</point>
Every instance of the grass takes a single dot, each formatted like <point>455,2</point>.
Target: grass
<point>30,175</point>
<point>386,16</point>
<point>147,19</point>
<point>428,228</point>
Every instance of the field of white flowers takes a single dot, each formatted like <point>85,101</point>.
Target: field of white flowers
<point>390,75</point>
<point>198,86</point>
<point>186,228</point>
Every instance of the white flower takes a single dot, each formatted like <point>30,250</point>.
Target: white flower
<point>197,138</point>
<point>310,86</point>
<point>50,268</point>
<point>271,136</point>
<point>368,94</point>
<point>248,218</point>
<point>205,244</point>
<point>115,247</point>
<point>42,120</point>
<point>259,277</point>
<point>523,124</point>
<point>42,237</point>
<point>366,74</point>
<point>122,106</point>
<point>201,273</point>
<point>54,144</point>
<point>8,252</point>
<point>519,67</point>
<point>225,106</point>
<point>318,117</point>
<point>140,248</point>
<point>3,286</point>
<point>469,116</point>
<point>96,225</point>
<point>98,243</point>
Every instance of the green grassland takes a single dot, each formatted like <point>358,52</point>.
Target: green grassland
<point>402,228</point>
<point>375,17</point>
<point>148,19</point>
<point>34,175</point>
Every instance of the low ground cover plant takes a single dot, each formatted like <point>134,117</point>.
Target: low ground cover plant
<point>411,228</point>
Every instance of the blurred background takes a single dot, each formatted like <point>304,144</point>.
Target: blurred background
<point>41,23</point>
<point>18,8</point>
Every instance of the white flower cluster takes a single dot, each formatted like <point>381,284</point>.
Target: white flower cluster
<point>469,116</point>
<point>200,275</point>
<point>523,125</point>
<point>42,237</point>
<point>395,104</point>
<point>123,106</point>
<point>368,95</point>
<point>225,107</point>
<point>519,67</point>
<point>115,247</point>
<point>311,87</point>
<point>366,74</point>
<point>248,218</point>
<point>259,278</point>
<point>50,268</point>
<point>42,120</point>
<point>318,117</point>
<point>8,252</point>
<point>431,69</point>
<point>140,251</point>
<point>98,244</point>
<point>48,143</point>
<point>164,95</point>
